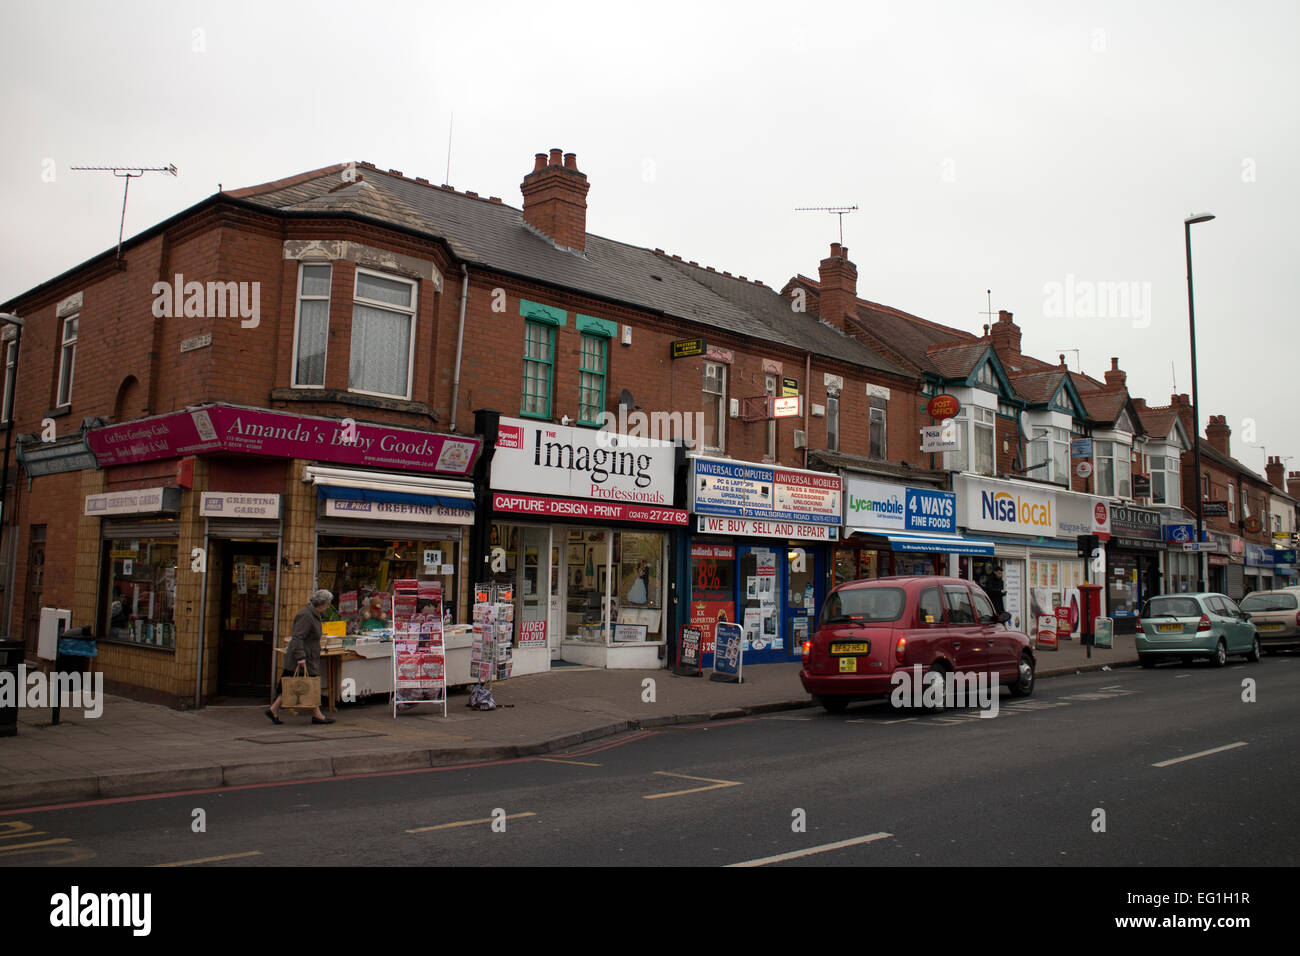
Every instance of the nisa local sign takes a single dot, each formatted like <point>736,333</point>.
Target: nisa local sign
<point>1008,508</point>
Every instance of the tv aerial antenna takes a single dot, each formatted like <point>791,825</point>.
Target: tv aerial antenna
<point>127,173</point>
<point>840,211</point>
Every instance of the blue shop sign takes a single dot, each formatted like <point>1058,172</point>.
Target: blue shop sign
<point>1180,533</point>
<point>931,510</point>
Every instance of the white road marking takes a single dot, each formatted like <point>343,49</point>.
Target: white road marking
<point>1203,753</point>
<point>824,848</point>
<point>467,823</point>
<point>900,720</point>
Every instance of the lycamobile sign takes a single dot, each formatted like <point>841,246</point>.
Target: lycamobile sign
<point>888,507</point>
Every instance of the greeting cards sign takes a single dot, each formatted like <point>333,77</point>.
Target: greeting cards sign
<point>225,428</point>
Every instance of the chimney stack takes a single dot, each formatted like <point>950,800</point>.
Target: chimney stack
<point>1276,473</point>
<point>1217,433</point>
<point>1293,484</point>
<point>555,199</point>
<point>838,298</point>
<point>1006,338</point>
<point>1116,377</point>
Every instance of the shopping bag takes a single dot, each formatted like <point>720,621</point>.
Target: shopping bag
<point>300,690</point>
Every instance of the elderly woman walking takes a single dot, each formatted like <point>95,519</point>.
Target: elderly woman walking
<point>304,649</point>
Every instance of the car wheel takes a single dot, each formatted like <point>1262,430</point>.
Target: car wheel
<point>834,703</point>
<point>1220,657</point>
<point>1023,685</point>
<point>1147,660</point>
<point>1254,654</point>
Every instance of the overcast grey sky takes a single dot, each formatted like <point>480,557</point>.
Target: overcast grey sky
<point>1010,146</point>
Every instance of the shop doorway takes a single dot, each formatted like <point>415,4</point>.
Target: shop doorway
<point>531,588</point>
<point>759,588</point>
<point>803,571</point>
<point>247,642</point>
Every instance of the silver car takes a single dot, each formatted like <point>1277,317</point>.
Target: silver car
<point>1277,616</point>
<point>1195,625</point>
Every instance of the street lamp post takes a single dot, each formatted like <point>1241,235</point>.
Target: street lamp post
<point>10,395</point>
<point>1196,408</point>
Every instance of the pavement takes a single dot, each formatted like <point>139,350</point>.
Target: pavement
<point>135,748</point>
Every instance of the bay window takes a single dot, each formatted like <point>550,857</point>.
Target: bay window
<point>1112,467</point>
<point>383,333</point>
<point>1164,480</point>
<point>1049,455</point>
<point>975,435</point>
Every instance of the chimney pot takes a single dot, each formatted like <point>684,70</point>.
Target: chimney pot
<point>836,250</point>
<point>570,160</point>
<point>539,162</point>
<point>556,157</point>
<point>1004,315</point>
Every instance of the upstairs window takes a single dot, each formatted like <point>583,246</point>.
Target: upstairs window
<point>1112,466</point>
<point>1165,480</point>
<point>878,447</point>
<point>539,367</point>
<point>832,421</point>
<point>715,406</point>
<point>311,336</point>
<point>982,420</point>
<point>67,359</point>
<point>11,367</point>
<point>383,335</point>
<point>591,379</point>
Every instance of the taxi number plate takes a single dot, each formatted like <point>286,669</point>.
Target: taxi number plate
<point>848,665</point>
<point>862,647</point>
<point>1169,627</point>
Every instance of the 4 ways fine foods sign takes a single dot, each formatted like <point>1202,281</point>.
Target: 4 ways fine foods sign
<point>563,461</point>
<point>249,431</point>
<point>737,489</point>
<point>878,504</point>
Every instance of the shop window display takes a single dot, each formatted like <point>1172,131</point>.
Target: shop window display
<point>363,572</point>
<point>141,593</point>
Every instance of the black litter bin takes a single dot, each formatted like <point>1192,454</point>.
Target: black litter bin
<point>76,648</point>
<point>11,655</point>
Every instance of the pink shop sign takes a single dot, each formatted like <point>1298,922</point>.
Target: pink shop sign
<point>225,428</point>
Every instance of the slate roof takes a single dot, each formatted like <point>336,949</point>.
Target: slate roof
<point>1037,388</point>
<point>1209,452</point>
<point>957,361</point>
<point>493,235</point>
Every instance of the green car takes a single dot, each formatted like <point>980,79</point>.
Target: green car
<point>1194,625</point>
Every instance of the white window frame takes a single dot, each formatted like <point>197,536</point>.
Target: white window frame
<point>832,420</point>
<point>1121,454</point>
<point>878,407</point>
<point>721,397</point>
<point>297,322</point>
<point>770,383</point>
<point>388,307</point>
<point>9,342</point>
<point>1170,471</point>
<point>66,345</point>
<point>1232,502</point>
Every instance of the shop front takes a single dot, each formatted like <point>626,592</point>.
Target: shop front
<point>1034,531</point>
<point>1181,557</point>
<point>582,527</point>
<point>1259,568</point>
<point>1133,556</point>
<point>759,553</point>
<point>268,507</point>
<point>893,529</point>
<point>1284,569</point>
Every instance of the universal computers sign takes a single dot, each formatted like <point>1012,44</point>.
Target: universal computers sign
<point>1007,508</point>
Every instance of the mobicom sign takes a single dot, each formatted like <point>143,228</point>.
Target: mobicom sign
<point>1013,510</point>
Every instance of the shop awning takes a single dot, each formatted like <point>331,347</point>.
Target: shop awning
<point>346,484</point>
<point>344,493</point>
<point>928,543</point>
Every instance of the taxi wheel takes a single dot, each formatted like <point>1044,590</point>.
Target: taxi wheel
<point>936,676</point>
<point>834,703</point>
<point>1220,654</point>
<point>1023,685</point>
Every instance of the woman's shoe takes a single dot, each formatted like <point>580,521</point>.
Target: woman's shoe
<point>274,719</point>
<point>322,720</point>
